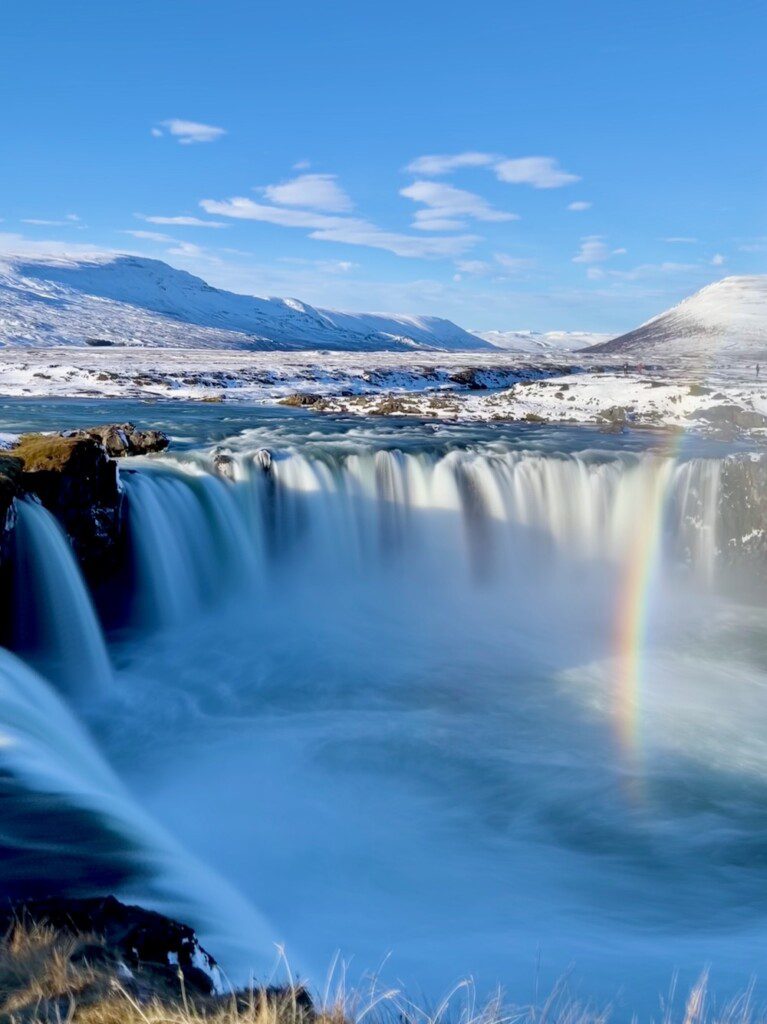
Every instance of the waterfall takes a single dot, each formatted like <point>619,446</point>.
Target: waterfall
<point>189,542</point>
<point>54,621</point>
<point>44,749</point>
<point>482,512</point>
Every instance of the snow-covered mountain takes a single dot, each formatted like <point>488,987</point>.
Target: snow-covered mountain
<point>129,300</point>
<point>727,317</point>
<point>537,343</point>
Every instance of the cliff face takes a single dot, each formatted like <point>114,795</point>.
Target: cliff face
<point>74,476</point>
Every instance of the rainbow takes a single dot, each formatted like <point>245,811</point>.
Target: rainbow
<point>633,611</point>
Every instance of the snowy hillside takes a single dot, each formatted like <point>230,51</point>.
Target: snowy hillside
<point>729,316</point>
<point>537,343</point>
<point>128,300</point>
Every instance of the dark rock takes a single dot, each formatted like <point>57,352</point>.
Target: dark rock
<point>732,415</point>
<point>299,400</point>
<point>224,464</point>
<point>617,415</point>
<point>10,488</point>
<point>141,939</point>
<point>468,379</point>
<point>263,458</point>
<point>74,478</point>
<point>121,439</point>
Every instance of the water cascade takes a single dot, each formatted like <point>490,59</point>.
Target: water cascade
<point>54,620</point>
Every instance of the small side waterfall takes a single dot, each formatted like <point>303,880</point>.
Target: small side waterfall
<point>44,749</point>
<point>54,620</point>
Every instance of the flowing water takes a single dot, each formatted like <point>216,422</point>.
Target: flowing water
<point>492,700</point>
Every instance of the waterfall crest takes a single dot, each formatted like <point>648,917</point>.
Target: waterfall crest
<point>464,510</point>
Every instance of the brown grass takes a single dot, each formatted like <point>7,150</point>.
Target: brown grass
<point>45,451</point>
<point>47,977</point>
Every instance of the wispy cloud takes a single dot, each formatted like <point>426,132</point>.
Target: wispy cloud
<point>538,171</point>
<point>594,249</point>
<point>150,236</point>
<point>447,205</point>
<point>513,264</point>
<point>188,132</point>
<point>681,240</point>
<point>579,206</point>
<point>718,260</point>
<point>332,228</point>
<point>474,268</point>
<point>315,191</point>
<point>435,165</point>
<point>68,221</point>
<point>182,221</point>
<point>646,271</point>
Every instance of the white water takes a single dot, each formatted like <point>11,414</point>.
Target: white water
<point>53,611</point>
<point>381,705</point>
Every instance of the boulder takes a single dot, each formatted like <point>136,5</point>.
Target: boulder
<point>121,439</point>
<point>74,478</point>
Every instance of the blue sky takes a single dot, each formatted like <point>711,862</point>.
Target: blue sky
<point>599,160</point>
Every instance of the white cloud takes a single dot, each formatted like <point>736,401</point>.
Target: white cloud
<point>184,222</point>
<point>41,222</point>
<point>718,260</point>
<point>187,249</point>
<point>302,165</point>
<point>680,240</point>
<point>651,270</point>
<point>476,268</point>
<point>446,205</point>
<point>150,236</point>
<point>593,249</point>
<point>579,206</point>
<point>188,132</point>
<point>512,264</point>
<point>436,165</point>
<point>315,191</point>
<point>349,230</point>
<point>538,171</point>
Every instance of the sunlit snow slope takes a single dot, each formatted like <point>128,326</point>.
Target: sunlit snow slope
<point>729,316</point>
<point>129,300</point>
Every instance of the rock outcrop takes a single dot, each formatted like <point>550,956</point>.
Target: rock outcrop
<point>100,960</point>
<point>140,939</point>
<point>74,476</point>
<point>121,439</point>
<point>10,488</point>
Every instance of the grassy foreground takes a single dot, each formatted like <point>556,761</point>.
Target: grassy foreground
<point>49,977</point>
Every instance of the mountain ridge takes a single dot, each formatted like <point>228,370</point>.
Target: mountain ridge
<point>141,302</point>
<point>728,316</point>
